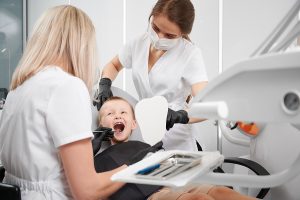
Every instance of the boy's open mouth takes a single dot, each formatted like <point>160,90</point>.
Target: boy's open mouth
<point>119,127</point>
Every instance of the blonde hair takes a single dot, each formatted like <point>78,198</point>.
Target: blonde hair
<point>114,98</point>
<point>63,34</point>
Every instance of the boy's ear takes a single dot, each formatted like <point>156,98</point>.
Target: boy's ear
<point>134,124</point>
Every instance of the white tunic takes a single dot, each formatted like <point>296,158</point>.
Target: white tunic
<point>50,109</point>
<point>172,76</point>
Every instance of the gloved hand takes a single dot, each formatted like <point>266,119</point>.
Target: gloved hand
<point>104,92</point>
<point>101,134</point>
<point>141,154</point>
<point>180,116</point>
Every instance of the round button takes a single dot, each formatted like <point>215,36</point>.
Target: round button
<point>291,102</point>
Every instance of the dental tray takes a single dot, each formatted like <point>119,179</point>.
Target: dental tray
<point>174,168</point>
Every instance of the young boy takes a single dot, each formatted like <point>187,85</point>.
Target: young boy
<point>117,114</point>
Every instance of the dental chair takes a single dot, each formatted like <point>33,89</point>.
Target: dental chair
<point>243,165</point>
<point>138,135</point>
<point>7,191</point>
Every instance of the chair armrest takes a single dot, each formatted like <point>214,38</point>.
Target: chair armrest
<point>8,191</point>
<point>11,192</point>
<point>253,166</point>
<point>2,173</point>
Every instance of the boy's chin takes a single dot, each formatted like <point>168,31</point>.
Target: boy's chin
<point>117,140</point>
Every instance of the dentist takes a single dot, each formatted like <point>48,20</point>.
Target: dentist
<point>164,62</point>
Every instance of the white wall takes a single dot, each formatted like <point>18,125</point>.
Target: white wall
<point>107,17</point>
<point>205,34</point>
<point>247,23</point>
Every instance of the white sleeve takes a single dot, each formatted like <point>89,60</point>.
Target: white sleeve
<point>125,55</point>
<point>195,71</point>
<point>69,115</point>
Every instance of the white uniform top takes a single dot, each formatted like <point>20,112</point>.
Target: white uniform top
<point>50,109</point>
<point>172,76</point>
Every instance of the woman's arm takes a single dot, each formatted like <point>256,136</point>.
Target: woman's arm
<point>112,69</point>
<point>85,183</point>
<point>196,88</point>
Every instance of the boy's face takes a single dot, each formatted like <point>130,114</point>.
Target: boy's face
<point>117,114</point>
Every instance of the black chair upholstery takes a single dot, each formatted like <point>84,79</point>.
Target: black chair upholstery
<point>7,191</point>
<point>199,148</point>
<point>10,192</point>
<point>2,172</point>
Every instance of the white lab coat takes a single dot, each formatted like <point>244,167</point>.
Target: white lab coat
<point>50,109</point>
<point>172,76</point>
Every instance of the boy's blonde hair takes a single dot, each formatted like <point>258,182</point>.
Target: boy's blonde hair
<point>112,99</point>
<point>63,33</point>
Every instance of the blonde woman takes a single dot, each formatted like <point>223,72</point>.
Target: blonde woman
<point>45,128</point>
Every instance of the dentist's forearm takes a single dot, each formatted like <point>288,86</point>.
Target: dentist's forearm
<point>112,69</point>
<point>193,120</point>
<point>109,71</point>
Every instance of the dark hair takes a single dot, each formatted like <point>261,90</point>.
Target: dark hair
<point>180,12</point>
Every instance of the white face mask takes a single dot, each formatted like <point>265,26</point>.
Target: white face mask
<point>161,43</point>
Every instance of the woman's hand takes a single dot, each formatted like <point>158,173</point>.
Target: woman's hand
<point>173,117</point>
<point>104,92</point>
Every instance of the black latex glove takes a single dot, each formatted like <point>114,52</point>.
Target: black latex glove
<point>173,117</point>
<point>141,154</point>
<point>104,92</point>
<point>101,134</point>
